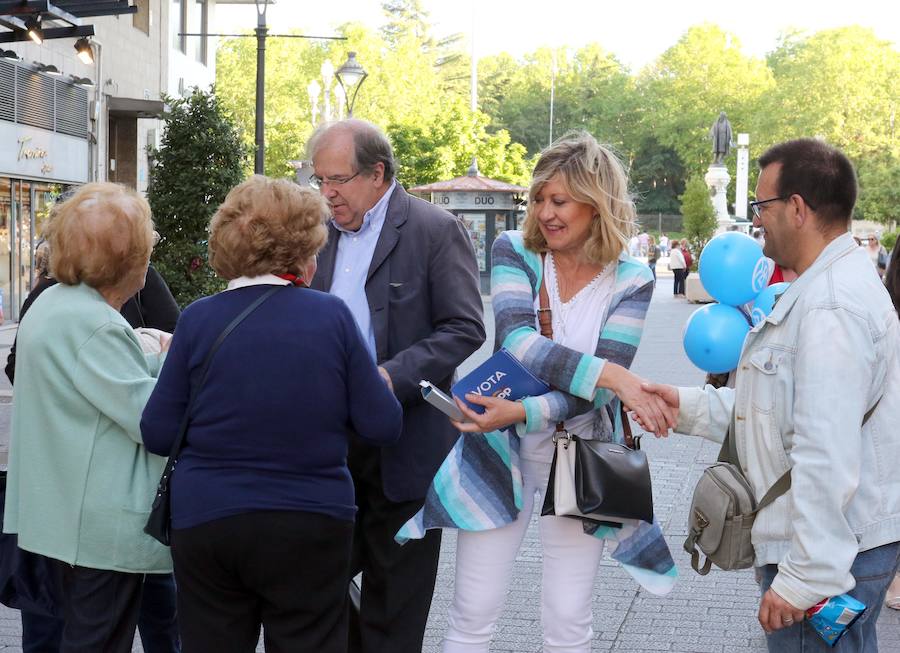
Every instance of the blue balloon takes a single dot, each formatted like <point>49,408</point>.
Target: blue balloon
<point>765,301</point>
<point>714,336</point>
<point>733,269</point>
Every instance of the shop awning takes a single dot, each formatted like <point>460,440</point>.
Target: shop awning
<point>126,107</point>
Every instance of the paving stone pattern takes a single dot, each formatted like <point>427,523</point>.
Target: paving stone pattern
<point>703,614</point>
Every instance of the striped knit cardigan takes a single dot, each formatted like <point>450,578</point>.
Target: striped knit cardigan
<point>479,484</point>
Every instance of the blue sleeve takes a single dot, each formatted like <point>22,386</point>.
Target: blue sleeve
<point>165,409</point>
<point>375,414</point>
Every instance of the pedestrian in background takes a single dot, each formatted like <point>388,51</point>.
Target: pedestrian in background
<point>679,268</point>
<point>573,244</point>
<point>817,393</point>
<point>80,482</point>
<point>407,270</point>
<point>877,254</point>
<point>652,255</point>
<point>664,245</point>
<point>262,500</point>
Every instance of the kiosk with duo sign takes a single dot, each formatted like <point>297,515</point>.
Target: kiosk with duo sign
<point>485,206</point>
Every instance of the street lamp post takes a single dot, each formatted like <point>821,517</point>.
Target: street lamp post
<point>259,163</point>
<point>313,89</point>
<point>351,76</point>
<point>327,71</point>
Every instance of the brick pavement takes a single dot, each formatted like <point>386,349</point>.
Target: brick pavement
<point>715,613</point>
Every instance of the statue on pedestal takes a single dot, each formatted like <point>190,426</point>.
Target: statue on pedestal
<point>720,134</point>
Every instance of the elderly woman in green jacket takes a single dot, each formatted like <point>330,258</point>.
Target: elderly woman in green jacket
<point>80,481</point>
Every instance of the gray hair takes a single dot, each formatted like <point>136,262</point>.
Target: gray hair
<point>370,145</point>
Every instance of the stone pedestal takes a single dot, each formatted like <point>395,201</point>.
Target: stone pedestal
<point>717,179</point>
<point>694,291</point>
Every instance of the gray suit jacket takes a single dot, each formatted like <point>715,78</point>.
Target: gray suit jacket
<point>424,299</point>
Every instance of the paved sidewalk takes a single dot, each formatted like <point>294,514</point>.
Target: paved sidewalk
<point>715,613</point>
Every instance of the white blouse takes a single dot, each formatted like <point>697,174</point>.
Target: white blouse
<point>576,324</point>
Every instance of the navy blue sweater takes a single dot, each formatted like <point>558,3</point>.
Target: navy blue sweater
<point>269,429</point>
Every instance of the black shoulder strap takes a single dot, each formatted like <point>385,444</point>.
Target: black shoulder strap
<point>182,429</point>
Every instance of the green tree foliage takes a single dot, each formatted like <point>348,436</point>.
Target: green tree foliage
<point>699,215</point>
<point>879,188</point>
<point>445,148</point>
<point>837,84</point>
<point>685,89</point>
<point>658,178</point>
<point>840,85</point>
<point>200,159</point>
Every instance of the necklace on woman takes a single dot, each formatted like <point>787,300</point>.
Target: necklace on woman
<point>565,307</point>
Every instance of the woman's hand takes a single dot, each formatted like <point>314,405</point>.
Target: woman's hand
<point>497,414</point>
<point>669,395</point>
<point>651,411</point>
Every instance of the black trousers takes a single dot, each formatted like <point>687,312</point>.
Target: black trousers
<point>397,581</point>
<point>100,609</point>
<point>286,571</point>
<point>157,623</point>
<point>680,276</point>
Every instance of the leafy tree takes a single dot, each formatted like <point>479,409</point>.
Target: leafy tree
<point>405,17</point>
<point>658,178</point>
<point>684,90</point>
<point>838,84</point>
<point>879,188</point>
<point>445,148</point>
<point>200,159</point>
<point>699,215</point>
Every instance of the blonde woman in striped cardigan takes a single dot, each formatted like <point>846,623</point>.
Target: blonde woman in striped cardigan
<point>573,241</point>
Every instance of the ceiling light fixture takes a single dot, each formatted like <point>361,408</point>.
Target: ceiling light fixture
<point>33,29</point>
<point>84,50</point>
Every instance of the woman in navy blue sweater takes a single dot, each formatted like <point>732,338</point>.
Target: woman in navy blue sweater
<point>262,500</point>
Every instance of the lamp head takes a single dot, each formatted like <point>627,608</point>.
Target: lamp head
<point>351,72</point>
<point>33,29</point>
<point>84,50</point>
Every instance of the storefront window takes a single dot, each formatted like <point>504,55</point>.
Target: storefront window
<point>24,207</point>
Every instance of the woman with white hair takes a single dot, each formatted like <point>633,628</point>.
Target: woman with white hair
<point>80,481</point>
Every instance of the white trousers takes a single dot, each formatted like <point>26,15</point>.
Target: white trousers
<point>484,563</point>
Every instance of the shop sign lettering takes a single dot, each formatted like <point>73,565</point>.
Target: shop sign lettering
<point>27,152</point>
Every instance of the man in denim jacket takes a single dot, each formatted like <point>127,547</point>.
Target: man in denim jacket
<point>828,354</point>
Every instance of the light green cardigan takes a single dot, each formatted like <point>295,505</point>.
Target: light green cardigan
<point>80,482</point>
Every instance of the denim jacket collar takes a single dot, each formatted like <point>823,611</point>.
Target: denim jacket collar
<point>837,248</point>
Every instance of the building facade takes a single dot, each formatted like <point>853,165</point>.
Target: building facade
<point>64,122</point>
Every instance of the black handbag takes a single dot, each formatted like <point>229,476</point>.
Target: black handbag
<point>591,479</point>
<point>599,481</point>
<point>160,520</point>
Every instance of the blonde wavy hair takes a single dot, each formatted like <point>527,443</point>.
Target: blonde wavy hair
<point>593,175</point>
<point>266,226</point>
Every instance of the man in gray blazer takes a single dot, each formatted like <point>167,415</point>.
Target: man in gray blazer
<point>407,270</point>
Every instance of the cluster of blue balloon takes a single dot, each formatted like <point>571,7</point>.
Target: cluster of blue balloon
<point>735,273</point>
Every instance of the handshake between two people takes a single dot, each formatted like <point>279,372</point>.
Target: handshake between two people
<point>653,406</point>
